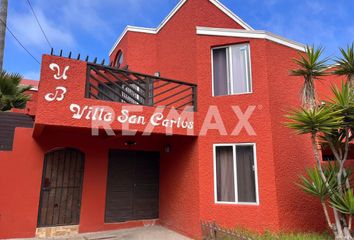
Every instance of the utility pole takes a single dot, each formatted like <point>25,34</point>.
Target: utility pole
<point>3,17</point>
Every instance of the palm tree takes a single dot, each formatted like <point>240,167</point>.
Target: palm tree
<point>311,67</point>
<point>333,124</point>
<point>12,95</point>
<point>346,64</point>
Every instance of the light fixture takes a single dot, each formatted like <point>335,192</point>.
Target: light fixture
<point>129,143</point>
<point>157,74</point>
<point>167,148</point>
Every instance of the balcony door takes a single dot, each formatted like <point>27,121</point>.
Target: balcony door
<point>132,186</point>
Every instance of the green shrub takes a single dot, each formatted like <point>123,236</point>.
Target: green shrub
<point>284,236</point>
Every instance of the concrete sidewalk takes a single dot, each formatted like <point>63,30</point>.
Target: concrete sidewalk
<point>140,233</point>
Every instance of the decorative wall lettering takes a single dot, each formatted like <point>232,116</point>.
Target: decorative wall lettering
<point>55,67</point>
<point>57,96</point>
<point>104,114</point>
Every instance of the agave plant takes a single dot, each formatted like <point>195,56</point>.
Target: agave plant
<point>311,66</point>
<point>12,95</point>
<point>346,64</point>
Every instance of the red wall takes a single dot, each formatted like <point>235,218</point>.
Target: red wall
<point>20,179</point>
<point>264,216</point>
<point>292,153</point>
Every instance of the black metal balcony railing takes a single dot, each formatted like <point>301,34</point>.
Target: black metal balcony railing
<point>120,85</point>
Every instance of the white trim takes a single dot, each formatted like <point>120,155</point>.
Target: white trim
<point>131,29</point>
<point>219,5</point>
<point>171,14</point>
<point>232,15</point>
<point>234,145</point>
<point>235,172</point>
<point>257,34</point>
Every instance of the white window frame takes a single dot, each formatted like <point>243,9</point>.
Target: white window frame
<point>229,75</point>
<point>234,145</point>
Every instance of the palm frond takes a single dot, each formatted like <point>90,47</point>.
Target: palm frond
<point>346,61</point>
<point>319,119</point>
<point>12,95</point>
<point>311,64</point>
<point>343,203</point>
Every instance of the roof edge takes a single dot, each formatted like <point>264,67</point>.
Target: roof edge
<point>231,14</point>
<point>218,4</point>
<point>259,34</point>
<point>131,29</point>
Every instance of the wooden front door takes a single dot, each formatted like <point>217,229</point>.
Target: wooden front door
<point>132,186</point>
<point>61,188</point>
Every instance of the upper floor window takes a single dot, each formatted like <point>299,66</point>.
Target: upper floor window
<point>119,59</point>
<point>231,70</point>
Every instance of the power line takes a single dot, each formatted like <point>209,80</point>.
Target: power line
<point>8,29</point>
<point>40,26</point>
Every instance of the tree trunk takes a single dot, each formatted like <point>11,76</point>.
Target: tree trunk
<point>351,80</point>
<point>309,100</point>
<point>338,231</point>
<point>328,219</point>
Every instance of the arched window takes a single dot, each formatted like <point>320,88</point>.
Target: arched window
<point>119,59</point>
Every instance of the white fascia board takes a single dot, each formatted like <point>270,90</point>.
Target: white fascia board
<point>218,4</point>
<point>258,34</point>
<point>132,29</point>
<point>148,30</point>
<point>229,13</point>
<point>170,15</point>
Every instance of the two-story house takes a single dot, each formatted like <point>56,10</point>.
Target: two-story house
<point>191,130</point>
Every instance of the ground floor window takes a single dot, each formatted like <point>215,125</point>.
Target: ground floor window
<point>235,173</point>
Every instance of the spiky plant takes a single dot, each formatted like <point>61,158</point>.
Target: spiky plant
<point>333,124</point>
<point>12,95</point>
<point>311,66</point>
<point>346,64</point>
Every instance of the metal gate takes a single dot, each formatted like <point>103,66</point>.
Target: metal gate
<point>61,188</point>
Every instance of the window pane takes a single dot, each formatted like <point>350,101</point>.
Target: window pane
<point>109,94</point>
<point>225,174</point>
<point>240,69</point>
<point>246,182</point>
<point>220,71</point>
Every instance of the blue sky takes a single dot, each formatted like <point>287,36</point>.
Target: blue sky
<point>90,27</point>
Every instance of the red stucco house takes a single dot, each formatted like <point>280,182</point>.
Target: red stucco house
<point>191,130</point>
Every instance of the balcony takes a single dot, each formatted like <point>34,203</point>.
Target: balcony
<point>80,94</point>
<point>119,85</point>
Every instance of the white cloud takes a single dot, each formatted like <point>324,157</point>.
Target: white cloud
<point>27,30</point>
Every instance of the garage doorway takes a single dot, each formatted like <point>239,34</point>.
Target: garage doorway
<point>132,186</point>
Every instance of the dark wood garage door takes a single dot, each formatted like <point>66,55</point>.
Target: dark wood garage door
<point>132,186</point>
<point>61,188</point>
